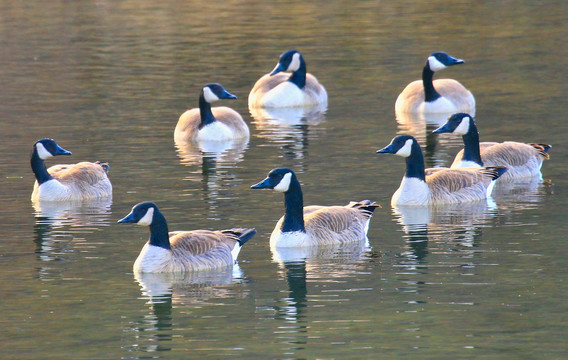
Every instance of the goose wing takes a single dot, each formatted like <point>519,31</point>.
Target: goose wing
<point>86,173</point>
<point>340,222</point>
<point>510,153</point>
<point>199,242</point>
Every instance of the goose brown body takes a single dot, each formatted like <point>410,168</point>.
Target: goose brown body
<point>187,127</point>
<point>412,98</point>
<point>195,250</point>
<point>81,181</point>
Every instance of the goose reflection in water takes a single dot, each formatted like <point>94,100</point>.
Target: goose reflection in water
<point>154,332</point>
<point>317,265</point>
<point>59,223</point>
<point>453,227</point>
<point>213,164</point>
<point>289,128</point>
<point>435,148</point>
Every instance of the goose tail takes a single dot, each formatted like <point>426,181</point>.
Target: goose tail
<point>542,149</point>
<point>243,234</point>
<point>365,206</point>
<point>104,165</point>
<point>495,171</point>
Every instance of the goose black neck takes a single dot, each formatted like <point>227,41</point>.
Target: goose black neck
<point>159,235</point>
<point>39,169</point>
<point>205,112</point>
<point>415,163</point>
<point>294,202</point>
<point>298,77</point>
<point>471,150</point>
<point>430,93</point>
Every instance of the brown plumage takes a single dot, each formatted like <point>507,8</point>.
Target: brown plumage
<point>187,127</point>
<point>200,250</point>
<point>521,160</point>
<point>313,91</point>
<point>412,97</point>
<point>82,181</point>
<point>460,185</point>
<point>336,224</point>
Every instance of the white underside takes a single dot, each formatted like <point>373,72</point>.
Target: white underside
<point>465,163</point>
<point>152,259</point>
<point>286,94</point>
<point>53,190</point>
<point>289,239</point>
<point>412,191</point>
<point>441,105</point>
<point>216,131</point>
<point>235,252</point>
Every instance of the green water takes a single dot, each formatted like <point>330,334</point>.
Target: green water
<point>108,80</point>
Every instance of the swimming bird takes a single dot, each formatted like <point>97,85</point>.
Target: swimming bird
<point>180,251</point>
<point>206,123</point>
<point>521,160</point>
<point>440,96</point>
<point>435,186</point>
<point>314,225</point>
<point>73,182</point>
<point>280,90</point>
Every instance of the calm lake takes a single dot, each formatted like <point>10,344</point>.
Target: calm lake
<point>109,79</point>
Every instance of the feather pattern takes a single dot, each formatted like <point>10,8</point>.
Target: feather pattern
<point>196,250</point>
<point>457,97</point>
<point>187,127</point>
<point>522,160</point>
<point>265,92</point>
<point>81,181</point>
<point>435,186</point>
<point>314,225</point>
<point>326,225</point>
<point>183,251</point>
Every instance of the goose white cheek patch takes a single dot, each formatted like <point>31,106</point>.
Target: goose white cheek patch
<point>209,95</point>
<point>295,63</point>
<point>147,218</point>
<point>435,64</point>
<point>42,151</point>
<point>406,150</point>
<point>284,184</point>
<point>463,127</point>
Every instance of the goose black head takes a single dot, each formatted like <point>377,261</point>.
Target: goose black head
<point>278,179</point>
<point>47,148</point>
<point>141,214</point>
<point>457,123</point>
<point>440,60</point>
<point>400,145</point>
<point>214,92</point>
<point>290,61</point>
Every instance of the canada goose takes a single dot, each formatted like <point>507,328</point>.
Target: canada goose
<point>180,251</point>
<point>73,182</point>
<point>440,96</point>
<point>280,90</point>
<point>206,123</point>
<point>314,225</point>
<point>434,186</point>
<point>521,160</point>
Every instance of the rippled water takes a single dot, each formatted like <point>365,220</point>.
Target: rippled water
<point>108,81</point>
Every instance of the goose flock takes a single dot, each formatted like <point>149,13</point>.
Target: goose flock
<point>471,177</point>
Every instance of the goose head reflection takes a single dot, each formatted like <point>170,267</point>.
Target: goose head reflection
<point>289,128</point>
<point>59,222</point>
<point>212,163</point>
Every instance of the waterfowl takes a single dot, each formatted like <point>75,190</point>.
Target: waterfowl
<point>314,225</point>
<point>435,186</point>
<point>521,160</point>
<point>183,251</point>
<point>206,123</point>
<point>73,182</point>
<point>440,96</point>
<point>280,90</point>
